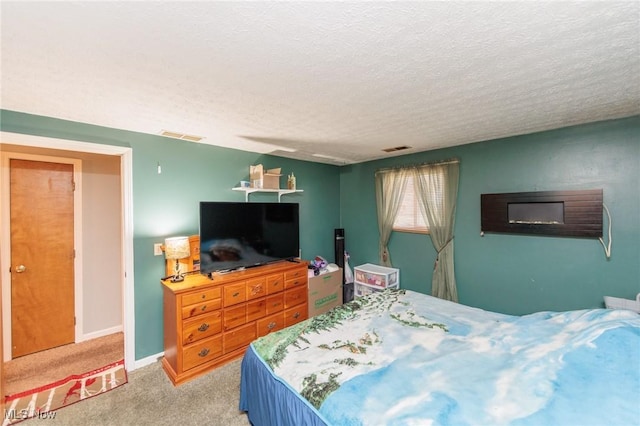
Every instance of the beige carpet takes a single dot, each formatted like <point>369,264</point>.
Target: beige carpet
<point>149,398</point>
<point>42,368</point>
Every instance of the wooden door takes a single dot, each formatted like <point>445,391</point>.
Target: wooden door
<point>2,392</point>
<point>42,256</point>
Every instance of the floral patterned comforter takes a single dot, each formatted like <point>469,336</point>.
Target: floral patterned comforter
<point>403,358</point>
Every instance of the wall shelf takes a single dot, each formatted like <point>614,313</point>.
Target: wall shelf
<point>280,192</point>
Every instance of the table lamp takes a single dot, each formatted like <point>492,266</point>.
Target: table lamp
<point>177,248</point>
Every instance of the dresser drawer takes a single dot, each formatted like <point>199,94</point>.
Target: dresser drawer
<point>235,293</point>
<point>201,296</point>
<point>295,315</point>
<point>234,317</point>
<point>256,288</point>
<point>275,283</point>
<point>201,308</point>
<point>296,282</point>
<point>201,352</point>
<point>296,273</point>
<point>201,327</point>
<point>271,323</point>
<point>275,303</point>
<point>295,297</point>
<point>256,309</point>
<point>239,337</point>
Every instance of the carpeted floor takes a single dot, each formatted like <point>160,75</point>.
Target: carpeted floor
<point>151,399</point>
<point>48,366</point>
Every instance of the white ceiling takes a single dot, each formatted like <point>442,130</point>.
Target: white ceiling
<point>340,79</point>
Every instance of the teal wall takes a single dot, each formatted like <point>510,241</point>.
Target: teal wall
<point>166,204</point>
<point>518,274</point>
<point>505,273</point>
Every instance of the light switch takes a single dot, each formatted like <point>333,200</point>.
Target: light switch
<point>157,249</point>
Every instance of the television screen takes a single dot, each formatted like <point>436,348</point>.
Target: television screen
<point>240,234</point>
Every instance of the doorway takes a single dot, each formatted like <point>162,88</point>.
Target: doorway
<point>125,251</point>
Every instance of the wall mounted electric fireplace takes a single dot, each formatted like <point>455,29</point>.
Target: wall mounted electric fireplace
<point>558,213</point>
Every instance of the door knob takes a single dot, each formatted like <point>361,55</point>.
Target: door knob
<point>21,268</point>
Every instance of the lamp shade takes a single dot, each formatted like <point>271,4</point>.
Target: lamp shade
<point>176,248</point>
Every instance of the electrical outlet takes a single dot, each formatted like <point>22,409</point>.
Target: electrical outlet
<point>157,249</point>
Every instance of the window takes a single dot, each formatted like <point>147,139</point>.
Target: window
<point>411,190</point>
<point>409,217</point>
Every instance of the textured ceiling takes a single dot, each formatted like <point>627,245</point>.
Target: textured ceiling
<point>337,79</point>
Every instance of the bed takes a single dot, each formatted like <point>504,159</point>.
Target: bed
<point>399,357</point>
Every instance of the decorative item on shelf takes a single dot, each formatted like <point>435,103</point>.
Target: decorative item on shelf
<point>261,179</point>
<point>291,182</point>
<point>177,248</point>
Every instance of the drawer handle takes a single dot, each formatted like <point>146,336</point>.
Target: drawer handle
<point>203,327</point>
<point>271,325</point>
<point>236,294</point>
<point>296,315</point>
<point>204,352</point>
<point>204,307</point>
<point>256,289</point>
<point>204,296</point>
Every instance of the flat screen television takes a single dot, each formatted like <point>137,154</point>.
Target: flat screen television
<point>237,235</point>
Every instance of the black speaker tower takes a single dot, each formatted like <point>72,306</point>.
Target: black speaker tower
<point>339,246</point>
<point>347,289</point>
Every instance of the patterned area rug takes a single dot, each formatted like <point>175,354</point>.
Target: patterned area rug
<point>42,402</point>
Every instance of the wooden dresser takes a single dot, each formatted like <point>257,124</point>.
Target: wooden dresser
<point>211,321</point>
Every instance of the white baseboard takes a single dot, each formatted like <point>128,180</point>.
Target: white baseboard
<point>101,333</point>
<point>147,361</point>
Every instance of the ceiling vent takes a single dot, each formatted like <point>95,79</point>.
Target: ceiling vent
<point>397,148</point>
<point>184,137</point>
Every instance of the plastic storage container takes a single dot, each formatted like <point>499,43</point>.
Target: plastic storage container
<point>360,290</point>
<point>376,276</point>
<point>618,303</point>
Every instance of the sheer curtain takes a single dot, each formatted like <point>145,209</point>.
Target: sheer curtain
<point>389,190</point>
<point>437,191</point>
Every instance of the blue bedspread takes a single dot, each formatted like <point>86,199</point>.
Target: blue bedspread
<point>404,358</point>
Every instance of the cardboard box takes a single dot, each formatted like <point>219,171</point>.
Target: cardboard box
<point>325,292</point>
<point>262,179</point>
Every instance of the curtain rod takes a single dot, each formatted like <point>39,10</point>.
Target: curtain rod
<point>432,163</point>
